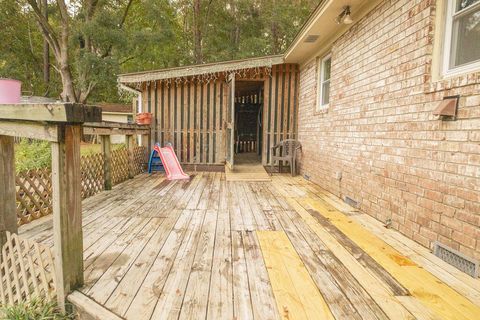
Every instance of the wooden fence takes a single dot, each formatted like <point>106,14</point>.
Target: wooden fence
<point>34,187</point>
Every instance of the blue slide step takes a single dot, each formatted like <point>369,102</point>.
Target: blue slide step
<point>154,163</point>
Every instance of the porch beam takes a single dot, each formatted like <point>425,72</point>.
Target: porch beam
<point>53,112</point>
<point>29,129</point>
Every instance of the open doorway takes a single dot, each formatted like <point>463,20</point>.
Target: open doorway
<point>245,132</point>
<point>248,122</point>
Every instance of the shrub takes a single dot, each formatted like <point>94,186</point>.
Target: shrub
<point>32,154</point>
<point>34,310</point>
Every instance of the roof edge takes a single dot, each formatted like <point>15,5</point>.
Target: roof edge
<point>199,69</point>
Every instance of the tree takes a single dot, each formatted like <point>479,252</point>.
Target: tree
<point>92,41</point>
<point>90,53</point>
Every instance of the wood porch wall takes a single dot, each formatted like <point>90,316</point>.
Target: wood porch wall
<point>191,114</point>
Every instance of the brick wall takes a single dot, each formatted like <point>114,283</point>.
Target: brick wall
<point>397,160</point>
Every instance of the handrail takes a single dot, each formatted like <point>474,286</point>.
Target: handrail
<point>63,125</point>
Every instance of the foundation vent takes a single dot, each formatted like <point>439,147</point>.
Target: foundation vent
<point>350,201</point>
<point>456,259</point>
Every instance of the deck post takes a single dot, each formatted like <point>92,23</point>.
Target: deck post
<point>8,216</point>
<point>129,140</point>
<point>147,143</point>
<point>67,210</point>
<point>107,161</point>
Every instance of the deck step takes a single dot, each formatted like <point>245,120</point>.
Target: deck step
<point>88,309</point>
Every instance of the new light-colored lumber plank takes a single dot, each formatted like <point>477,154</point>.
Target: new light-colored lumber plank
<point>436,295</point>
<point>263,301</point>
<point>467,286</point>
<point>375,287</point>
<point>296,294</point>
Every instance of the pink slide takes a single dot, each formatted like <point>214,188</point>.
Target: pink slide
<point>173,170</point>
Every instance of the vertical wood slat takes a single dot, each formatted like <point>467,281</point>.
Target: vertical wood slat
<point>67,211</point>
<point>8,216</point>
<point>191,115</point>
<point>185,94</point>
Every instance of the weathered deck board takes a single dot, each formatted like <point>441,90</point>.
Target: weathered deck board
<point>285,249</point>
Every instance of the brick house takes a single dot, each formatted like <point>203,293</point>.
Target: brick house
<point>375,139</point>
<point>361,87</point>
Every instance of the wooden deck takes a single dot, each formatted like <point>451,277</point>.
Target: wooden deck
<point>285,249</point>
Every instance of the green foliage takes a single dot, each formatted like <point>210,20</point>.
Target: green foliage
<point>155,34</point>
<point>32,154</point>
<point>34,310</point>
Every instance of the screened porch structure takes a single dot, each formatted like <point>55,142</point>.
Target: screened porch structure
<point>212,112</point>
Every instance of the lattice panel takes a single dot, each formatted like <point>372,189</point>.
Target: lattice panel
<point>120,165</point>
<point>26,271</point>
<point>34,187</point>
<point>92,174</point>
<point>139,160</point>
<point>34,194</point>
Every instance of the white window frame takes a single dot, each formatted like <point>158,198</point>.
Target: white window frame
<point>450,14</point>
<point>320,81</point>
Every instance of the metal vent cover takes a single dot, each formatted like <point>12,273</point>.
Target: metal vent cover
<point>351,201</point>
<point>311,38</point>
<point>456,259</point>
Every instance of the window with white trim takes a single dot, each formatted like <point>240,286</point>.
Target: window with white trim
<point>324,73</point>
<point>462,37</point>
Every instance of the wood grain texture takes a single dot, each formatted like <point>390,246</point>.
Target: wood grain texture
<point>157,249</point>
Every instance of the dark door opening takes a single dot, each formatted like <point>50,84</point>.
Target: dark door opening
<point>248,121</point>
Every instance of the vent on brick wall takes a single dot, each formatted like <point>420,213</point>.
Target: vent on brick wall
<point>311,38</point>
<point>351,201</point>
<point>456,259</point>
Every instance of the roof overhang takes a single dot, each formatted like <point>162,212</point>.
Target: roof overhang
<point>322,23</point>
<point>193,70</point>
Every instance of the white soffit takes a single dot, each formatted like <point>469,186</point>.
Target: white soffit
<point>322,26</point>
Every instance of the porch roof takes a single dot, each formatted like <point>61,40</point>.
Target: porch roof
<point>192,70</point>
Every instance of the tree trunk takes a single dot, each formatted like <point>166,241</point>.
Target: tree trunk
<point>46,53</point>
<point>68,93</point>
<point>197,32</point>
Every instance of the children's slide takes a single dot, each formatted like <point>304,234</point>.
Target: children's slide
<point>173,170</point>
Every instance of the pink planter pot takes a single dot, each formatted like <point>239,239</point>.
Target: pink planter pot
<point>10,90</point>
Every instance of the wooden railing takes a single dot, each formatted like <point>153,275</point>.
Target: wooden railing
<point>34,187</point>
<point>62,125</point>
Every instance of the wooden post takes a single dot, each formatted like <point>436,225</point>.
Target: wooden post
<point>147,144</point>
<point>129,140</point>
<point>8,216</point>
<point>107,161</point>
<point>67,210</point>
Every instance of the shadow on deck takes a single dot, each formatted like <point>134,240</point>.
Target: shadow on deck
<point>216,249</point>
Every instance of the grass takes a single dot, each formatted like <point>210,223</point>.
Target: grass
<point>35,154</point>
<point>35,309</point>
